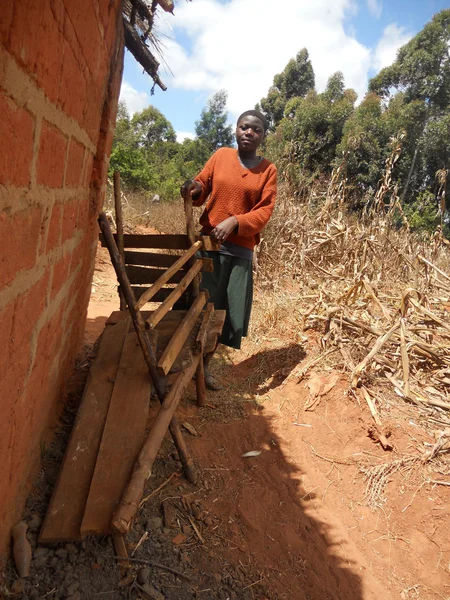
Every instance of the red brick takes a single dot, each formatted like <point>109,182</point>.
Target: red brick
<point>20,237</point>
<point>52,157</point>
<point>29,307</point>
<point>16,149</point>
<point>54,228</point>
<point>25,38</point>
<point>72,93</point>
<point>60,274</point>
<point>5,21</point>
<point>74,164</point>
<point>88,170</point>
<point>84,20</point>
<point>6,327</point>
<point>70,219</point>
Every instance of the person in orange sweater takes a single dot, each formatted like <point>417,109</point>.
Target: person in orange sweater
<point>239,188</point>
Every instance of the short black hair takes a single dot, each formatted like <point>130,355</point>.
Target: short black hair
<point>258,115</point>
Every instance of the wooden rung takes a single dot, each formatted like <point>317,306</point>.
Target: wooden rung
<point>205,325</point>
<point>148,275</point>
<point>159,313</point>
<point>163,241</point>
<point>143,466</point>
<point>180,336</point>
<point>167,275</point>
<point>138,290</point>
<point>163,261</point>
<point>160,241</point>
<point>208,243</point>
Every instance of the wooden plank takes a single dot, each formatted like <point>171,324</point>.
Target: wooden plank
<point>142,470</point>
<point>122,438</point>
<point>119,225</point>
<point>66,509</point>
<point>168,275</point>
<point>169,323</point>
<point>209,243</point>
<point>205,326</point>
<point>159,297</point>
<point>148,275</point>
<point>174,296</point>
<point>156,240</point>
<point>152,259</point>
<point>180,336</point>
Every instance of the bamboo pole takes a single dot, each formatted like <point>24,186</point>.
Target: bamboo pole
<point>143,467</point>
<point>119,225</point>
<point>149,355</point>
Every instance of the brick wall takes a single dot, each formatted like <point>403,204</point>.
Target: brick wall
<point>60,72</point>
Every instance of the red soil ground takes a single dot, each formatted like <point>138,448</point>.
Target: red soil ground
<point>297,514</point>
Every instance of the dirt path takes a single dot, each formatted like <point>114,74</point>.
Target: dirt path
<point>292,522</point>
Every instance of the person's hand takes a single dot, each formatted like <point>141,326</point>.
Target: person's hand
<point>223,229</point>
<point>190,188</point>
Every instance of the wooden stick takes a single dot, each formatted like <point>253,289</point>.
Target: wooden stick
<point>204,327</point>
<point>149,355</point>
<point>167,275</point>
<point>159,488</point>
<point>178,339</point>
<point>194,287</point>
<point>143,466</point>
<point>165,306</point>
<point>201,341</point>
<point>121,550</point>
<point>150,563</point>
<point>119,225</point>
<point>200,382</point>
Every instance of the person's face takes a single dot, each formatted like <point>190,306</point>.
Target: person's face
<point>249,133</point>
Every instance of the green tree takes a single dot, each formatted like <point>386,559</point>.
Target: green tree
<point>295,81</point>
<point>212,126</point>
<point>149,127</point>
<point>422,67</point>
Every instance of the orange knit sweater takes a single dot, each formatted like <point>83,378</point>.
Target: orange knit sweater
<point>233,190</point>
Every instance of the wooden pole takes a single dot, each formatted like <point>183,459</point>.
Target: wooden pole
<point>119,224</point>
<point>194,288</point>
<point>143,466</point>
<point>201,341</point>
<point>149,355</point>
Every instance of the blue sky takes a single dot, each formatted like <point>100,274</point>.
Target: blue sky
<point>239,45</point>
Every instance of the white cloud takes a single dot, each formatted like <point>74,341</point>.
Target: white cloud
<point>135,101</point>
<point>386,51</point>
<point>375,8</point>
<point>240,45</point>
<point>184,135</point>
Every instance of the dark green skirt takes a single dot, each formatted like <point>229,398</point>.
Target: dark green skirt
<point>230,288</point>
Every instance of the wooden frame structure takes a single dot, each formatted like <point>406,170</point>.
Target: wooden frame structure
<point>166,337</point>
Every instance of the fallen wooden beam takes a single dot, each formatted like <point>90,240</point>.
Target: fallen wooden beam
<point>65,512</point>
<point>123,435</point>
